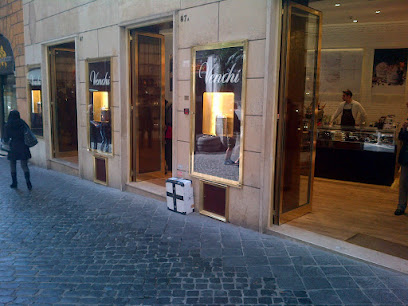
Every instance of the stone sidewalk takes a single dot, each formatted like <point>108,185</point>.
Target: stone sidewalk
<point>71,241</point>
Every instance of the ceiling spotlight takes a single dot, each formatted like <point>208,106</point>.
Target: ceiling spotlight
<point>337,4</point>
<point>377,11</point>
<point>355,20</point>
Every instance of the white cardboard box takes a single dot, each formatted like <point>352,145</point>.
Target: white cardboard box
<point>179,195</point>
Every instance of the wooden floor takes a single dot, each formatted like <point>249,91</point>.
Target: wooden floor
<point>343,209</point>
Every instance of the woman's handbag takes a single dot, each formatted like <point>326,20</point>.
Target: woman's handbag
<point>5,146</point>
<point>29,138</point>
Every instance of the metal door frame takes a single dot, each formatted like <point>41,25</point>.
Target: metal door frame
<point>53,94</point>
<point>134,122</point>
<point>278,217</point>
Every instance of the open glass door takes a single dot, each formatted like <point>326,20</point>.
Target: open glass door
<point>298,100</point>
<point>64,128</point>
<point>147,108</point>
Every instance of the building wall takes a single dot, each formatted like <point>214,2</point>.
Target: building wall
<point>100,29</point>
<point>11,26</point>
<point>224,21</point>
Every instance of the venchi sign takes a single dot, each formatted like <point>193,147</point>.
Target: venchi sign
<point>99,75</point>
<point>232,76</point>
<point>220,66</point>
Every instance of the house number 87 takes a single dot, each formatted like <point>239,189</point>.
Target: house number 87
<point>184,18</point>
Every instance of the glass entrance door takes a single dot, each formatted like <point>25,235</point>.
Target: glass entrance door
<point>147,108</point>
<point>298,101</point>
<point>63,104</point>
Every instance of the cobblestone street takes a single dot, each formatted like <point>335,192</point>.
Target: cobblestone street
<point>70,241</point>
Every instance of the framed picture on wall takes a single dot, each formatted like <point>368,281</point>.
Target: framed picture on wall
<point>389,71</point>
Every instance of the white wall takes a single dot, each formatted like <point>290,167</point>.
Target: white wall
<point>369,37</point>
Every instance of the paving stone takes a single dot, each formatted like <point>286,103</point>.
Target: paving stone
<point>324,297</point>
<point>339,282</point>
<point>396,282</point>
<point>293,283</point>
<point>284,271</point>
<point>402,294</point>
<point>71,242</point>
<point>382,296</point>
<point>355,296</point>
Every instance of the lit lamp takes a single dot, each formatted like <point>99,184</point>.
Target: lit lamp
<point>100,105</point>
<point>218,113</point>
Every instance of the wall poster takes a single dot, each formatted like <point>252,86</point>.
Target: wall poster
<point>389,71</point>
<point>339,69</point>
<point>219,75</point>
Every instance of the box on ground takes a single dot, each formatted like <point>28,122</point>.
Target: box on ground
<point>180,195</point>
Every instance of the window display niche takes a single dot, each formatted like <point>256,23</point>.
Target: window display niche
<point>34,87</point>
<point>100,125</point>
<point>218,103</point>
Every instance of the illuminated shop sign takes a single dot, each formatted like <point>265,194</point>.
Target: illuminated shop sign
<point>6,56</point>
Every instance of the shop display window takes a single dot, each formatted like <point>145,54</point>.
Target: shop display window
<point>35,100</point>
<point>100,125</point>
<point>8,84</point>
<point>218,106</point>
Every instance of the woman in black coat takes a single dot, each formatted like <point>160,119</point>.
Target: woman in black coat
<point>14,131</point>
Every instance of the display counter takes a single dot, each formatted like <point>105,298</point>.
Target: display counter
<point>365,155</point>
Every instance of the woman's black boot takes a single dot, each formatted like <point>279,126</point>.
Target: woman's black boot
<point>27,177</point>
<point>14,178</point>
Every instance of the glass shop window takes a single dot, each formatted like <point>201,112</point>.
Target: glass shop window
<point>218,112</point>
<point>36,113</point>
<point>100,125</point>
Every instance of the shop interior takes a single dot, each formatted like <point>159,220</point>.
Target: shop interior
<point>152,104</point>
<point>356,174</point>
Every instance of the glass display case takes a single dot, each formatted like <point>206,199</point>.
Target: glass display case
<point>365,138</point>
<point>365,155</point>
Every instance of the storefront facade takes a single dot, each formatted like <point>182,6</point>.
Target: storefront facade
<point>120,106</point>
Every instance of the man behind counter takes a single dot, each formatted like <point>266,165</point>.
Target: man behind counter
<point>349,110</point>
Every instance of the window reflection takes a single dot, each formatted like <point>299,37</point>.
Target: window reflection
<point>8,83</point>
<point>100,122</point>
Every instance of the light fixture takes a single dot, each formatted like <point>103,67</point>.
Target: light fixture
<point>355,20</point>
<point>377,11</point>
<point>337,4</point>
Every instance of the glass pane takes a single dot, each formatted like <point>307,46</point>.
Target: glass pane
<point>218,105</point>
<point>100,132</point>
<point>36,112</point>
<point>300,111</point>
<point>65,104</point>
<point>34,87</point>
<point>9,95</point>
<point>149,104</point>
